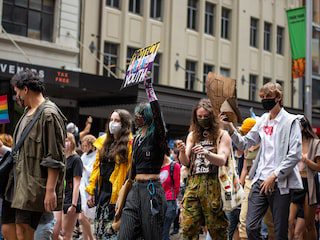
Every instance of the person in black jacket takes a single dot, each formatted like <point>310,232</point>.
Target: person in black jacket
<point>145,207</point>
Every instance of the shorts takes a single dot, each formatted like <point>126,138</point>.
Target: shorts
<point>66,207</point>
<point>18,216</point>
<point>298,196</point>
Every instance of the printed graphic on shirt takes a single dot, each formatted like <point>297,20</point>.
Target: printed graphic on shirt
<point>201,164</point>
<point>268,130</point>
<point>163,176</point>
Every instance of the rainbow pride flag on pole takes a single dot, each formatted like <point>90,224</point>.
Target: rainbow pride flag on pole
<point>4,116</point>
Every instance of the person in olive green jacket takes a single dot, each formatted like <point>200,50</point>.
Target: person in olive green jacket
<point>39,164</point>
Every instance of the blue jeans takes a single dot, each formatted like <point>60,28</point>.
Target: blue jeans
<point>170,216</point>
<point>233,218</point>
<point>44,230</point>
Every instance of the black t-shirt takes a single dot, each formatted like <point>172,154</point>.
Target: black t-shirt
<point>74,169</point>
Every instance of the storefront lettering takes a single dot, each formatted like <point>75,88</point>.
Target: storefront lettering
<point>62,77</point>
<point>13,69</point>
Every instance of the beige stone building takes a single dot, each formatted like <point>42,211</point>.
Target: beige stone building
<point>244,39</point>
<point>46,31</point>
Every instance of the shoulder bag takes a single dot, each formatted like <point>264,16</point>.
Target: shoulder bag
<point>6,164</point>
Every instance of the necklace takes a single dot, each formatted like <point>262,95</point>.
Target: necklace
<point>205,134</point>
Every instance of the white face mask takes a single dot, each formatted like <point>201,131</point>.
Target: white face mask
<point>114,127</point>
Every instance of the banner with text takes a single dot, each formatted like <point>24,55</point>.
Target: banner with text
<point>140,64</point>
<point>297,33</point>
<point>4,116</point>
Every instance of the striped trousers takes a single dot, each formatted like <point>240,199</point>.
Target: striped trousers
<point>137,221</point>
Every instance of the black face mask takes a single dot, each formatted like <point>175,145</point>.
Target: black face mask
<point>204,122</point>
<point>269,103</point>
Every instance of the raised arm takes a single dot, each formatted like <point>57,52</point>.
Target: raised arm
<point>160,129</point>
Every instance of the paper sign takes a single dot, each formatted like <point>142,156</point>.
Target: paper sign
<point>219,88</point>
<point>140,64</point>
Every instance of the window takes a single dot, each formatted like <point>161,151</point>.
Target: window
<point>156,68</point>
<point>110,58</point>
<point>155,9</point>
<point>190,75</point>
<point>280,36</point>
<point>225,72</point>
<point>192,14</point>
<point>254,25</point>
<point>316,51</point>
<point>135,6</point>
<point>252,87</point>
<point>225,23</point>
<point>206,69</point>
<point>266,80</point>
<point>281,83</point>
<point>267,36</point>
<point>29,18</point>
<point>209,19</point>
<point>113,3</point>
<point>130,52</point>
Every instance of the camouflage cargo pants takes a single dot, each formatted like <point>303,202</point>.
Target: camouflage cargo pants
<point>202,206</point>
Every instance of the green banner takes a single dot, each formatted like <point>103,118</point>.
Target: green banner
<point>297,32</point>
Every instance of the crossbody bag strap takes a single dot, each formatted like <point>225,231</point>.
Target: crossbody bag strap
<point>27,129</point>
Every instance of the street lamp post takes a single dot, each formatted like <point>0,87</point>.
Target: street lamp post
<point>308,67</point>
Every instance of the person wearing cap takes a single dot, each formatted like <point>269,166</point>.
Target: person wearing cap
<point>274,172</point>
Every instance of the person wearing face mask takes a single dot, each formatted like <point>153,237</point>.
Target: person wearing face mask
<point>145,207</point>
<point>113,161</point>
<point>207,147</point>
<point>274,172</point>
<point>39,165</point>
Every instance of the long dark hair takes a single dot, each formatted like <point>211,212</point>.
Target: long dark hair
<point>306,130</point>
<point>113,147</point>
<point>197,130</point>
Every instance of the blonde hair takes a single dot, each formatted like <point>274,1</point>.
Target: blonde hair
<point>72,139</point>
<point>6,139</point>
<point>90,139</point>
<point>271,89</point>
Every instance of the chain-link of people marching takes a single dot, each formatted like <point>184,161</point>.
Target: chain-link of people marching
<point>129,183</point>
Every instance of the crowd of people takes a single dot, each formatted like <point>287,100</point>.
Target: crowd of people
<point>63,179</point>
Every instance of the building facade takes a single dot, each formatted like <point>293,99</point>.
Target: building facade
<point>245,40</point>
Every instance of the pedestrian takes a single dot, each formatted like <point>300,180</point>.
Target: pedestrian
<point>39,164</point>
<point>170,180</point>
<point>207,147</point>
<point>6,142</point>
<point>110,169</point>
<point>144,211</point>
<point>308,197</point>
<point>249,156</point>
<point>88,158</point>
<point>274,172</point>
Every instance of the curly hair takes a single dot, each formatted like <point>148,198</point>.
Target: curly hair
<point>113,147</point>
<point>197,130</point>
<point>28,78</point>
<point>90,139</point>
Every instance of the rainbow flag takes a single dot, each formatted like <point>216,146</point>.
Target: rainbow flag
<point>4,116</point>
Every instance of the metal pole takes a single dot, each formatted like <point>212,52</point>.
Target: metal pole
<point>308,68</point>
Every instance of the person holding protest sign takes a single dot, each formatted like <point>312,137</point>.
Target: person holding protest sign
<point>206,148</point>
<point>144,211</point>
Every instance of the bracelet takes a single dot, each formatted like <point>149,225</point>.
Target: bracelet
<point>73,205</point>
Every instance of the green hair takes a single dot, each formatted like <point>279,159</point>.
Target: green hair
<point>144,109</point>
